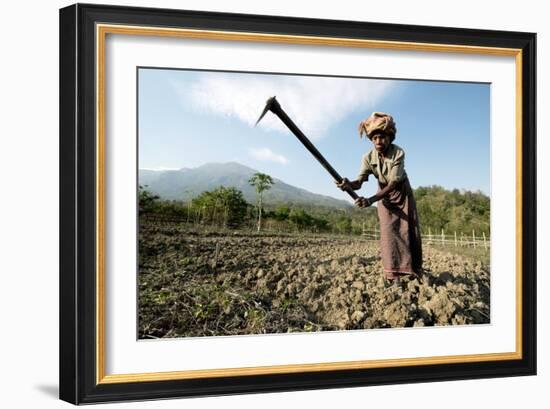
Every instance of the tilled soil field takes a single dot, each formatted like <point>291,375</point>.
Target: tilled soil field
<point>230,283</point>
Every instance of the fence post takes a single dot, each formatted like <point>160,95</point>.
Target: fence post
<point>443,237</point>
<point>474,237</point>
<point>455,239</point>
<point>429,235</point>
<point>217,252</point>
<point>484,241</point>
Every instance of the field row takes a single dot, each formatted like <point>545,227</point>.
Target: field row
<point>195,283</point>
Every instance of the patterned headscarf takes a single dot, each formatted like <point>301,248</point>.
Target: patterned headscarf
<point>378,122</point>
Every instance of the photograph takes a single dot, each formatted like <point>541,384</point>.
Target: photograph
<point>274,203</point>
<point>265,203</point>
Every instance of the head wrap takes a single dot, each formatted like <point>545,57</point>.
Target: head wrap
<point>378,122</point>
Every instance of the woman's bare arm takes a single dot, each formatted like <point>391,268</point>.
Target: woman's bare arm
<point>353,184</point>
<point>383,192</point>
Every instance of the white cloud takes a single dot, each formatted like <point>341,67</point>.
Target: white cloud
<point>265,154</point>
<point>315,104</point>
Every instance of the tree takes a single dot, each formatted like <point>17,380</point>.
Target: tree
<point>261,182</point>
<point>453,210</point>
<point>303,220</point>
<point>343,225</point>
<point>148,202</point>
<point>223,206</point>
<point>281,213</point>
<point>300,218</point>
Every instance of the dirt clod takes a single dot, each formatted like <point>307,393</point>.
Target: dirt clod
<point>276,283</point>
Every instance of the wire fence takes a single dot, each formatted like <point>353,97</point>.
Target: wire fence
<point>475,240</point>
<point>443,238</point>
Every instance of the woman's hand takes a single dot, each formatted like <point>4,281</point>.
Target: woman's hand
<point>347,184</point>
<point>362,202</point>
<point>344,185</point>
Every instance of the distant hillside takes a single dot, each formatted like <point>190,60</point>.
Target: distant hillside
<point>185,184</point>
<point>453,210</point>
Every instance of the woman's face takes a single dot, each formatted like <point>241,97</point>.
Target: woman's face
<point>381,142</point>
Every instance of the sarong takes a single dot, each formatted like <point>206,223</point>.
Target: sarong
<point>400,241</point>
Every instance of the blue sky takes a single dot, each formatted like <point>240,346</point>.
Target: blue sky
<point>189,118</point>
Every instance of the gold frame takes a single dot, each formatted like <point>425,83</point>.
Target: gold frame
<point>102,30</point>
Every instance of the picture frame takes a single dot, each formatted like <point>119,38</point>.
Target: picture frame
<point>83,213</point>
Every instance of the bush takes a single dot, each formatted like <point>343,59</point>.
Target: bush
<point>223,206</point>
<point>148,202</point>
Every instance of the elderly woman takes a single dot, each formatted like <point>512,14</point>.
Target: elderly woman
<point>400,244</point>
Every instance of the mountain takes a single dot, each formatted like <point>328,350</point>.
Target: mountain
<point>187,183</point>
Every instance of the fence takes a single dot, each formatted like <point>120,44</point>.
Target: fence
<point>444,239</point>
<point>455,239</point>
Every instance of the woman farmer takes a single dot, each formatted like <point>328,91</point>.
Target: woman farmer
<point>400,243</point>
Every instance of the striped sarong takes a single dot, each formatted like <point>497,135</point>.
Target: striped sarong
<point>400,241</point>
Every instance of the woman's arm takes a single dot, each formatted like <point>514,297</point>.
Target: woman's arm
<point>356,184</point>
<point>364,173</point>
<point>390,187</point>
<point>396,175</point>
<point>367,201</point>
<point>353,184</point>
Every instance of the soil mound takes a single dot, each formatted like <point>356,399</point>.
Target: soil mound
<point>229,283</point>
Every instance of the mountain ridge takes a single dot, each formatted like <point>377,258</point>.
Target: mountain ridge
<point>187,183</point>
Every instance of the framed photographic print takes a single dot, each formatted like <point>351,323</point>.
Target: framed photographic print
<point>258,203</point>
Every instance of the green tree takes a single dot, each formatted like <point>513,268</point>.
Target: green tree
<point>302,219</point>
<point>261,182</point>
<point>148,202</point>
<point>343,225</point>
<point>223,206</point>
<point>281,213</point>
<point>452,210</point>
